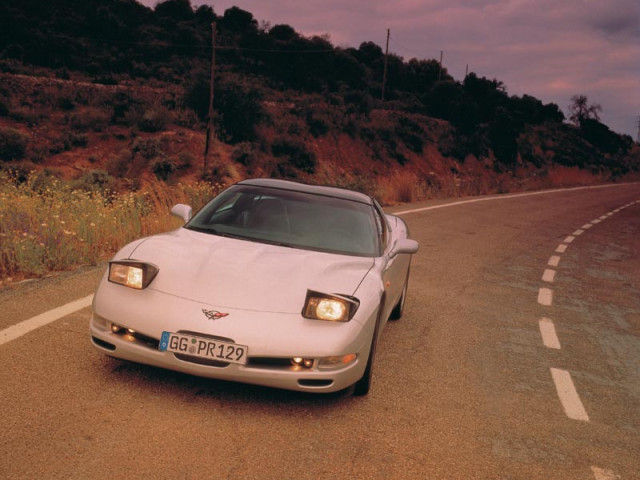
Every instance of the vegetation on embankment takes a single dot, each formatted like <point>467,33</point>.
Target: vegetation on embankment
<point>107,101</point>
<point>47,224</point>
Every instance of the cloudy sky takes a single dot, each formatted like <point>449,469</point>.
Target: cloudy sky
<point>551,49</point>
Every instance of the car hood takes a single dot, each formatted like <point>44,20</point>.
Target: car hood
<point>239,274</point>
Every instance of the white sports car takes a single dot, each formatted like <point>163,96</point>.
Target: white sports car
<point>273,283</point>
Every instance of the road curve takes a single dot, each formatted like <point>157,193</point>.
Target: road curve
<point>518,358</point>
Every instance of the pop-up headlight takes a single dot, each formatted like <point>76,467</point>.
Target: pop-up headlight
<point>131,273</point>
<point>335,308</point>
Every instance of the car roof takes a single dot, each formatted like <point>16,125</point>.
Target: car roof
<point>313,189</point>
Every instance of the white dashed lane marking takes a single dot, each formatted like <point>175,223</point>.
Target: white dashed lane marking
<point>603,474</point>
<point>568,395</point>
<point>561,248</point>
<point>565,388</point>
<point>554,260</point>
<point>545,297</point>
<point>549,335</point>
<point>549,275</point>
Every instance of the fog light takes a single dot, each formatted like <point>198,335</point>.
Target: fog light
<point>130,331</point>
<point>302,362</point>
<point>115,328</point>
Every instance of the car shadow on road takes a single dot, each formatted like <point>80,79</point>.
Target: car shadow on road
<point>191,388</point>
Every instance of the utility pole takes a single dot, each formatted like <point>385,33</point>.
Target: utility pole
<point>210,119</point>
<point>386,60</point>
<point>440,69</point>
<point>638,135</point>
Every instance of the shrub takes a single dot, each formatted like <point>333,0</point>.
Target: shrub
<point>154,120</point>
<point>95,180</point>
<point>187,118</point>
<point>67,141</point>
<point>244,153</point>
<point>148,147</point>
<point>89,118</point>
<point>164,168</point>
<point>27,115</point>
<point>118,164</point>
<point>4,107</point>
<point>240,111</point>
<point>411,133</point>
<point>65,103</point>
<point>13,144</point>
<point>185,160</point>
<point>297,154</point>
<point>318,126</point>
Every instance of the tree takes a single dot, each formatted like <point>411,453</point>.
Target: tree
<point>580,110</point>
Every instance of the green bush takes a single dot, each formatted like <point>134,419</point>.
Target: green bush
<point>13,144</point>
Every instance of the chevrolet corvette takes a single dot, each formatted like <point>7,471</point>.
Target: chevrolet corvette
<point>273,283</point>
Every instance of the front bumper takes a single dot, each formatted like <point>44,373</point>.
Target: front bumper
<point>272,340</point>
<point>258,371</point>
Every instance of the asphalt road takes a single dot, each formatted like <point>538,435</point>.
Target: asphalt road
<point>467,385</point>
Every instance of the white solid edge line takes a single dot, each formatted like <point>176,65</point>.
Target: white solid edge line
<point>500,197</point>
<point>22,328</point>
<point>568,395</point>
<point>549,335</point>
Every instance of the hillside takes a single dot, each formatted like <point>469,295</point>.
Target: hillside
<point>113,93</point>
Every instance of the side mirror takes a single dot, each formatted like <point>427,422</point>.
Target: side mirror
<point>404,246</point>
<point>182,211</point>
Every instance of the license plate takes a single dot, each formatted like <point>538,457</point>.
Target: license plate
<point>203,347</point>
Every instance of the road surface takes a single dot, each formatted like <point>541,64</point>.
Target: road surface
<point>518,358</point>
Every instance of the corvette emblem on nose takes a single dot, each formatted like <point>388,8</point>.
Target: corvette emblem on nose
<point>214,314</point>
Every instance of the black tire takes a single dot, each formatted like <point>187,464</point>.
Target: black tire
<point>362,386</point>
<point>398,310</point>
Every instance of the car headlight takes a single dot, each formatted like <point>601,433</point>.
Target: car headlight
<point>131,273</point>
<point>335,308</point>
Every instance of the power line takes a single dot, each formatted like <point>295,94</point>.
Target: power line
<point>395,42</point>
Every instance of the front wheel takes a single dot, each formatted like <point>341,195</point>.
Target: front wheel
<point>398,310</point>
<point>362,386</point>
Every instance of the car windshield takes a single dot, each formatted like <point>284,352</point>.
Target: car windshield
<point>290,218</point>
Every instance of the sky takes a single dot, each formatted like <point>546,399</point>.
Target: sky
<point>550,49</point>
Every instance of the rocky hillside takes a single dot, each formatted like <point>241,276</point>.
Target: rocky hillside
<point>122,95</point>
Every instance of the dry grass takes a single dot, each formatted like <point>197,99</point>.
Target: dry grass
<point>47,225</point>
